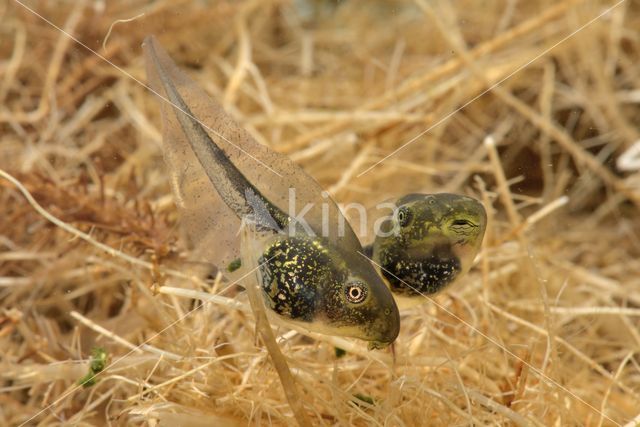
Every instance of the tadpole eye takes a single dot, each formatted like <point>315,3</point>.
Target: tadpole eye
<point>403,216</point>
<point>356,292</point>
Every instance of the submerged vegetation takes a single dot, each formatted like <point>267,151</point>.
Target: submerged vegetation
<point>531,107</point>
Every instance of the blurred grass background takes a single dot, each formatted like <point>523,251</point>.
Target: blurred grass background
<point>374,99</point>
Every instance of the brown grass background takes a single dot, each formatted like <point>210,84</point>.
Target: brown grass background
<point>543,330</point>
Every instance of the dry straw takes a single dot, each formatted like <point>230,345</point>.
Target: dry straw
<point>528,106</point>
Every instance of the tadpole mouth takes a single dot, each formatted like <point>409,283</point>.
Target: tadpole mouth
<point>378,345</point>
<point>391,329</point>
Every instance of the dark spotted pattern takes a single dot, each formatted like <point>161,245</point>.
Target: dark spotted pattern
<point>410,277</point>
<point>302,278</point>
<point>292,270</point>
<point>429,242</point>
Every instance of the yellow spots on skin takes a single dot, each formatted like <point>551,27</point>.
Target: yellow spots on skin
<point>436,247</point>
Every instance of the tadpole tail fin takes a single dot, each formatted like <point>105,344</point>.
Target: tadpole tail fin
<point>234,188</point>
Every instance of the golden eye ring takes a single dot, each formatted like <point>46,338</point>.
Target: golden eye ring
<point>355,292</point>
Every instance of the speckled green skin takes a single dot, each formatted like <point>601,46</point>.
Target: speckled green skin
<point>291,269</point>
<point>304,280</point>
<point>436,238</point>
<point>329,287</point>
